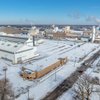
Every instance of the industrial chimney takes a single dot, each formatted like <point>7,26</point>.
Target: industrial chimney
<point>93,33</point>
<point>33,32</point>
<point>33,40</point>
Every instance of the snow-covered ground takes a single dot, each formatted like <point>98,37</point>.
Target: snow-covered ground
<point>50,51</point>
<point>94,71</point>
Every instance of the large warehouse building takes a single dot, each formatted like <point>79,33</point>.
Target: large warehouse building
<point>16,49</point>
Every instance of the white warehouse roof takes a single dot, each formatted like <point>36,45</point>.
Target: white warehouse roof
<point>13,38</point>
<point>9,46</point>
<point>13,44</point>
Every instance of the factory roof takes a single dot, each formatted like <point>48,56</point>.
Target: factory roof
<point>8,46</point>
<point>13,44</point>
<point>13,38</point>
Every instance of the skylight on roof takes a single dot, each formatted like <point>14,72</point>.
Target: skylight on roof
<point>2,44</point>
<point>15,46</point>
<point>8,44</point>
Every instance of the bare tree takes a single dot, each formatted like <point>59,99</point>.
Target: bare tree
<point>97,88</point>
<point>83,88</point>
<point>6,93</point>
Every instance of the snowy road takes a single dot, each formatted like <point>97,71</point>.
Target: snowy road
<point>68,83</point>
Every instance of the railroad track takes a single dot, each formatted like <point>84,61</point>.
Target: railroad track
<point>68,83</point>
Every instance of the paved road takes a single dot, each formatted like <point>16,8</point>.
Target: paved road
<point>68,83</point>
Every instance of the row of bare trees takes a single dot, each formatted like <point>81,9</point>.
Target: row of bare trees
<point>84,87</point>
<point>6,92</point>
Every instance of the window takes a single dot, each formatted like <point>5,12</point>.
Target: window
<point>8,44</point>
<point>19,60</point>
<point>15,46</point>
<point>2,44</point>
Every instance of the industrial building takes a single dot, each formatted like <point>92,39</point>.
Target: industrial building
<point>12,30</point>
<point>30,75</point>
<point>16,49</point>
<point>59,35</point>
<point>66,32</point>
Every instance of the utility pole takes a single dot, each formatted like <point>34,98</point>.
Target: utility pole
<point>28,92</point>
<point>4,87</point>
<point>75,61</point>
<point>99,96</point>
<point>55,75</point>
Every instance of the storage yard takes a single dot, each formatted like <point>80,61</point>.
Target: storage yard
<point>49,52</point>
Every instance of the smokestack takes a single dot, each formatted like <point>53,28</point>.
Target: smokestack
<point>94,30</point>
<point>93,34</point>
<point>33,31</point>
<point>33,40</point>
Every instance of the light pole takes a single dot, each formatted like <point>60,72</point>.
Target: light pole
<point>28,92</point>
<point>55,75</point>
<point>99,96</point>
<point>84,53</point>
<point>75,61</point>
